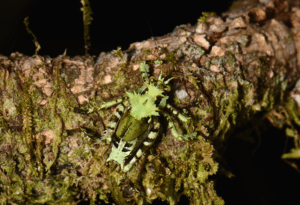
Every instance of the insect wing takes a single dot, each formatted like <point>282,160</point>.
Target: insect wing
<point>130,128</point>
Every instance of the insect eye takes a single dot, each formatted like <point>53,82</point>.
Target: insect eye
<point>152,78</point>
<point>167,88</point>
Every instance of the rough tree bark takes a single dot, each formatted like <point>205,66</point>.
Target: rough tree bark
<point>229,70</point>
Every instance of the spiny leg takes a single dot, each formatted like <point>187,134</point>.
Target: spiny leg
<point>180,116</point>
<point>183,118</point>
<point>144,68</point>
<point>107,105</point>
<point>146,144</point>
<point>145,71</point>
<point>113,122</point>
<point>171,125</point>
<point>175,133</point>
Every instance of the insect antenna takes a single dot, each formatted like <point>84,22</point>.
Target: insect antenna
<point>152,36</point>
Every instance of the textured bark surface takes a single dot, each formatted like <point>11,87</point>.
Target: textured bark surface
<point>229,70</point>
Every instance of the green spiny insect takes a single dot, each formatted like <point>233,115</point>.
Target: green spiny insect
<point>132,129</point>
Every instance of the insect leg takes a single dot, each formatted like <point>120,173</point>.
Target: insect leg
<point>174,131</point>
<point>171,125</point>
<point>180,116</point>
<point>113,122</point>
<point>146,144</point>
<point>107,105</point>
<point>144,68</point>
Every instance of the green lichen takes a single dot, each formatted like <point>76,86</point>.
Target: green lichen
<point>36,43</point>
<point>192,50</point>
<point>119,53</point>
<point>205,16</point>
<point>147,52</point>
<point>171,58</point>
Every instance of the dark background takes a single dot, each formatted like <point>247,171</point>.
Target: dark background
<point>58,24</point>
<point>260,178</point>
